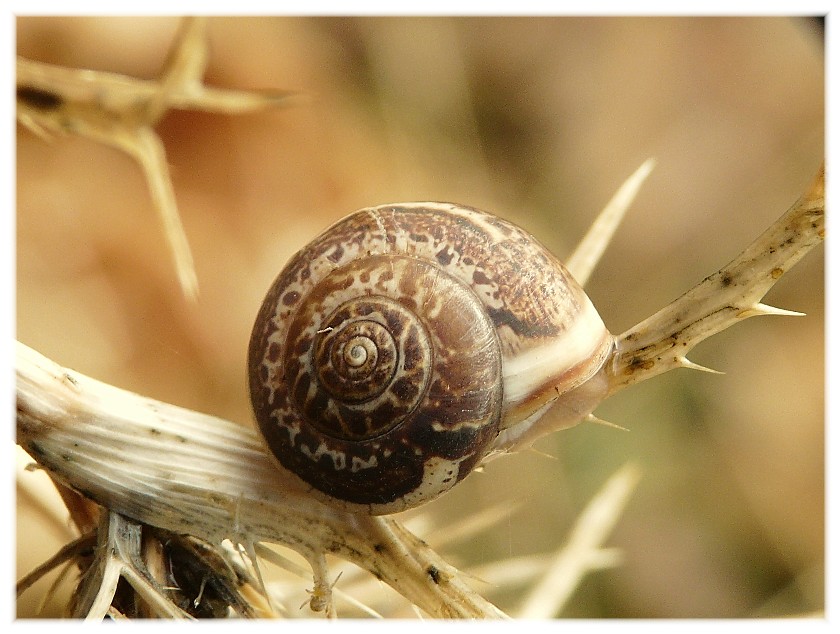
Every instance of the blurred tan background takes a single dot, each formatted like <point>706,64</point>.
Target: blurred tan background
<point>538,120</point>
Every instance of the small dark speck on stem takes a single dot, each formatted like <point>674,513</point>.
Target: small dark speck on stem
<point>434,574</point>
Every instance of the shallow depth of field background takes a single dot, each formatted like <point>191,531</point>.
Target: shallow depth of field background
<point>538,120</point>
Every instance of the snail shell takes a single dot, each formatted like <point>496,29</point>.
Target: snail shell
<point>391,351</point>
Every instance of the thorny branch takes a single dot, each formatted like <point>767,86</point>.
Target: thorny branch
<point>177,487</point>
<point>189,473</point>
<point>194,474</point>
<point>660,342</point>
<point>122,112</point>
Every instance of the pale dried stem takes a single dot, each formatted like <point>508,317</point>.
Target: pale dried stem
<point>148,462</point>
<point>122,112</point>
<point>190,473</point>
<point>299,572</point>
<point>584,551</point>
<point>68,552</point>
<point>118,555</point>
<point>660,342</point>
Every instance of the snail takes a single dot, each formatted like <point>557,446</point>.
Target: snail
<point>407,342</point>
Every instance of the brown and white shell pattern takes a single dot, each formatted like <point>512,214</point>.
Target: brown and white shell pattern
<point>391,350</point>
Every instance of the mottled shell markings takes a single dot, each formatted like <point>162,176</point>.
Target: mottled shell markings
<point>390,352</point>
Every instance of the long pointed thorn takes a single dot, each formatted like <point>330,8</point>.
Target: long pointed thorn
<point>763,309</point>
<point>591,418</point>
<point>582,262</point>
<point>183,69</point>
<point>542,453</point>
<point>685,363</point>
<point>187,58</point>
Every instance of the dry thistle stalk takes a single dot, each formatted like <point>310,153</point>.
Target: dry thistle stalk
<point>150,463</point>
<point>186,501</point>
<point>123,111</point>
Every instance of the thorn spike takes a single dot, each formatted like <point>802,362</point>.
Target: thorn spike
<point>683,362</point>
<point>591,418</point>
<point>587,254</point>
<point>759,309</point>
<point>541,453</point>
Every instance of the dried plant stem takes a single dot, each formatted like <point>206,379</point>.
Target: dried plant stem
<point>661,342</point>
<point>66,553</point>
<point>584,551</point>
<point>118,555</point>
<point>172,468</point>
<point>122,112</point>
<point>190,473</point>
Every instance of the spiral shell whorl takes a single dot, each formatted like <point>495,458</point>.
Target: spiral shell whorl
<point>390,352</point>
<point>379,383</point>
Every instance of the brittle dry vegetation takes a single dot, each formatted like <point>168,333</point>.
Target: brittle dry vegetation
<point>538,120</point>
